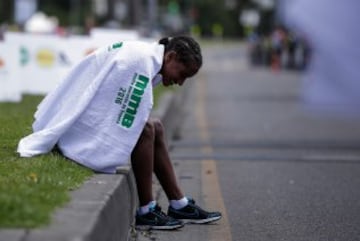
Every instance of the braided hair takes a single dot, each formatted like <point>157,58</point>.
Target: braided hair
<point>187,49</point>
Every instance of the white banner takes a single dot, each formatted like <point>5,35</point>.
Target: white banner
<point>109,36</point>
<point>35,64</point>
<point>9,87</point>
<point>71,51</point>
<point>39,61</point>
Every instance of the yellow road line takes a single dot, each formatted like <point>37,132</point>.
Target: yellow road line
<point>209,175</point>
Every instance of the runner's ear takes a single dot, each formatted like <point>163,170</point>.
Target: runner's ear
<point>170,56</point>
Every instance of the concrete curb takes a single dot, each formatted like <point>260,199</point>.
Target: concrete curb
<point>103,208</point>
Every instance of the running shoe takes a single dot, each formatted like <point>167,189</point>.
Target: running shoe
<point>156,219</point>
<point>192,213</point>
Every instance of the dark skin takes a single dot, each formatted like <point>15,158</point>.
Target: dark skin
<point>175,72</point>
<point>150,153</point>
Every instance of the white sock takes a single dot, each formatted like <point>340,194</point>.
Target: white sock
<point>145,209</point>
<point>178,204</point>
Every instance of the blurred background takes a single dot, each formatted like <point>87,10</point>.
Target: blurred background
<point>205,18</point>
<point>40,40</point>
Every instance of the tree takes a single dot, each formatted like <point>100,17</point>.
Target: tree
<point>6,10</point>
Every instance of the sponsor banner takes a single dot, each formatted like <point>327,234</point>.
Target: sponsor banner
<point>78,47</point>
<point>35,64</point>
<point>108,36</point>
<point>71,51</point>
<point>38,61</point>
<point>75,48</point>
<point>9,87</point>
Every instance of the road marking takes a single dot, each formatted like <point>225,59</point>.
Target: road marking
<point>209,175</point>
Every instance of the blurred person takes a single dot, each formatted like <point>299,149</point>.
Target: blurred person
<point>277,47</point>
<point>332,79</point>
<point>266,50</point>
<point>99,117</point>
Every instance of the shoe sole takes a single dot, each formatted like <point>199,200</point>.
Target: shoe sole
<point>149,227</point>
<point>200,221</point>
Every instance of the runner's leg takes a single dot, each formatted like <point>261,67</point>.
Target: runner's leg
<point>162,164</point>
<point>142,160</point>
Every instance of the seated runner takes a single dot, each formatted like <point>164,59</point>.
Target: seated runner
<point>99,117</point>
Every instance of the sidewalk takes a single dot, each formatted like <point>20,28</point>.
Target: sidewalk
<point>104,207</point>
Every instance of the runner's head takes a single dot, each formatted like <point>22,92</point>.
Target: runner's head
<point>182,59</point>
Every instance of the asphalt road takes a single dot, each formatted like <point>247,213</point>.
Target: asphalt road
<point>249,149</point>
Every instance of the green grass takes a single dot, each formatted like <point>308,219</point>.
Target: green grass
<point>32,188</point>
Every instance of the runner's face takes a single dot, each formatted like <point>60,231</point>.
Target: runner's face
<point>175,72</point>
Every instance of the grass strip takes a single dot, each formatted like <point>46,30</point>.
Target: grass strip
<point>32,188</point>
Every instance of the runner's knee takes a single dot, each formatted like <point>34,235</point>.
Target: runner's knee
<point>148,131</point>
<point>159,127</point>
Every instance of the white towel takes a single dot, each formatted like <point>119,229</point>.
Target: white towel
<point>97,113</point>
